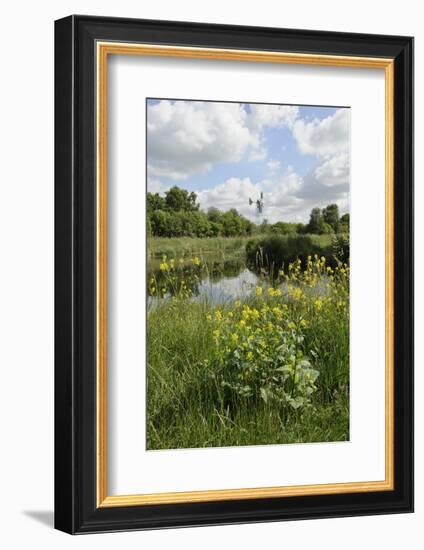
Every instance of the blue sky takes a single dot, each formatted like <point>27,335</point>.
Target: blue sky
<point>298,156</point>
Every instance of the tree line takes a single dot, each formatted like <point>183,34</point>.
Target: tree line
<point>178,214</point>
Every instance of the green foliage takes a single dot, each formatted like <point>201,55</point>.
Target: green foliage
<point>344,224</point>
<point>272,253</point>
<point>154,202</point>
<point>180,200</point>
<point>178,215</point>
<point>261,356</point>
<point>341,247</point>
<point>330,215</point>
<point>324,221</point>
<point>284,228</point>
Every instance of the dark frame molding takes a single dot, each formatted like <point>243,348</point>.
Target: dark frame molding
<point>75,274</point>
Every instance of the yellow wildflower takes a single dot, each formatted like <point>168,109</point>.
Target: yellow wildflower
<point>318,304</point>
<point>259,291</point>
<point>255,314</point>
<point>163,266</point>
<point>277,312</point>
<point>237,303</point>
<point>218,315</point>
<point>249,356</point>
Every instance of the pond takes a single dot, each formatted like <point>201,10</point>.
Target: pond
<point>218,281</point>
<point>215,280</point>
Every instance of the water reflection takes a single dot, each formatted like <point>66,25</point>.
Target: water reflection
<point>227,288</point>
<point>218,282</point>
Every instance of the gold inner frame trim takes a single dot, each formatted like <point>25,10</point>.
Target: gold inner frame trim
<point>104,49</point>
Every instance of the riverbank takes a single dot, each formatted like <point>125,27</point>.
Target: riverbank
<point>271,368</point>
<point>192,246</point>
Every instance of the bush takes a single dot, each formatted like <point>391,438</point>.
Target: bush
<point>273,253</point>
<point>259,351</point>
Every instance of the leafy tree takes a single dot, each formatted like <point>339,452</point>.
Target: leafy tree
<point>214,214</point>
<point>178,214</point>
<point>317,224</point>
<point>162,225</point>
<point>155,202</point>
<point>215,229</point>
<point>315,221</point>
<point>330,215</point>
<point>344,224</point>
<point>232,223</point>
<point>284,228</point>
<point>301,228</point>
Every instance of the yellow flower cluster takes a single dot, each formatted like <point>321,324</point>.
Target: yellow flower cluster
<point>174,278</point>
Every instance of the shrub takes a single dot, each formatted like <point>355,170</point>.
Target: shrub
<point>276,252</point>
<point>260,349</point>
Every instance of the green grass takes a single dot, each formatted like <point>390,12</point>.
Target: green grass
<point>192,246</point>
<point>272,252</point>
<point>187,404</point>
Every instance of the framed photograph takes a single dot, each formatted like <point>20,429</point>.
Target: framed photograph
<point>234,274</point>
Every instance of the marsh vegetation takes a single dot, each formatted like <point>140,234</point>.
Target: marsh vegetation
<point>247,347</point>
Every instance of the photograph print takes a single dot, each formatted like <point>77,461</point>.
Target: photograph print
<point>247,223</point>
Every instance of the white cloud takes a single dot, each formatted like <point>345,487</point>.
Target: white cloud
<point>233,193</point>
<point>185,138</point>
<point>156,186</point>
<point>273,116</point>
<point>333,171</point>
<point>189,137</point>
<point>273,165</point>
<point>279,196</point>
<point>329,140</point>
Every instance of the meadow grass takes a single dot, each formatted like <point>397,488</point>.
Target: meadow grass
<point>194,246</point>
<point>218,376</point>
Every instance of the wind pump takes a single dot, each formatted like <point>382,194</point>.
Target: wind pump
<point>259,203</point>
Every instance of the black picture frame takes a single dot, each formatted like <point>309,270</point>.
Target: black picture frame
<point>76,508</point>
